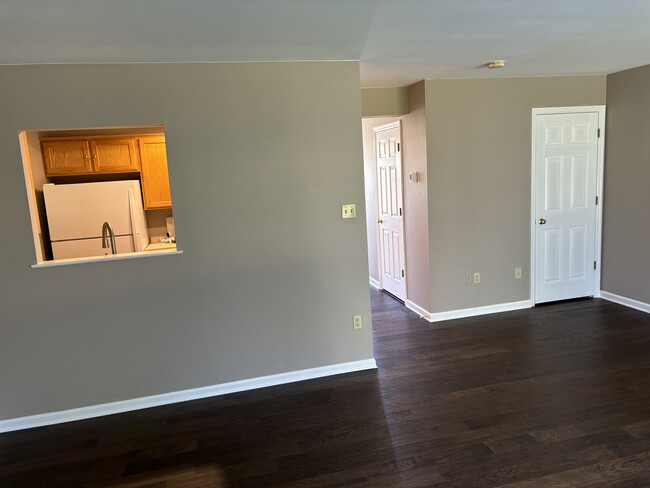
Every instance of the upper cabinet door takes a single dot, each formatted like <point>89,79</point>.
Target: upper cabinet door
<point>155,176</point>
<point>66,157</point>
<point>114,155</point>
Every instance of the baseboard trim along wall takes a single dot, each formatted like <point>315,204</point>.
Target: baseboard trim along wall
<point>473,312</point>
<point>628,302</point>
<point>467,312</point>
<point>425,314</point>
<point>374,283</point>
<point>182,396</point>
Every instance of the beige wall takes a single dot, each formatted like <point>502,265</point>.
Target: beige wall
<point>626,227</point>
<point>261,156</point>
<point>381,102</point>
<point>478,147</point>
<point>416,223</point>
<point>370,177</point>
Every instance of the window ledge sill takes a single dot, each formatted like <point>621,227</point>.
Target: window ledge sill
<point>109,257</point>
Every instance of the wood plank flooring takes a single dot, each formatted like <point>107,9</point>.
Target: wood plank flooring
<point>555,396</point>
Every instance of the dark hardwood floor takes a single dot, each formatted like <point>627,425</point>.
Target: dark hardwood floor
<point>555,396</point>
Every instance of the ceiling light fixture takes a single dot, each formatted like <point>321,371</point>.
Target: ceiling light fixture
<point>497,63</point>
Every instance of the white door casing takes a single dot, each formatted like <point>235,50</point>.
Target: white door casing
<point>390,218</point>
<point>566,217</point>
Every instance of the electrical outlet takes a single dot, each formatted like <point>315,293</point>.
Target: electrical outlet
<point>469,279</point>
<point>356,322</point>
<point>518,273</point>
<point>477,278</point>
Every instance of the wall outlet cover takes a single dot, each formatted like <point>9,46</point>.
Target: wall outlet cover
<point>356,322</point>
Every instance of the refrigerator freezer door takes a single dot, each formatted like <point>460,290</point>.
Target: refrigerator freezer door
<point>138,220</point>
<point>89,247</point>
<point>78,211</point>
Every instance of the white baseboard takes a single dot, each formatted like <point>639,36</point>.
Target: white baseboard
<point>628,302</point>
<point>181,396</point>
<point>473,312</point>
<point>425,314</point>
<point>374,283</point>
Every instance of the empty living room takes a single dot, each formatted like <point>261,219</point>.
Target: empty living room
<point>408,244</point>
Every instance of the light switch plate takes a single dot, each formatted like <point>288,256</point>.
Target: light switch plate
<point>348,211</point>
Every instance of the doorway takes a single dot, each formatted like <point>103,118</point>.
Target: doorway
<point>566,202</point>
<point>390,215</point>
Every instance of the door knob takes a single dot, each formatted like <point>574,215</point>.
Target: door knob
<point>542,221</point>
<point>380,221</point>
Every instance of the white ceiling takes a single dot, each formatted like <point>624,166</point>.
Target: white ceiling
<point>398,42</point>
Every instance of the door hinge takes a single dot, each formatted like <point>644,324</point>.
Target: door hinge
<point>598,131</point>
<point>596,199</point>
<point>402,273</point>
<point>398,143</point>
<point>400,212</point>
<point>594,264</point>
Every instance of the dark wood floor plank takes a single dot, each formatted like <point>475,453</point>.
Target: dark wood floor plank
<point>555,396</point>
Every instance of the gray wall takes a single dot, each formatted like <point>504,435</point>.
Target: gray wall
<point>478,147</point>
<point>261,156</point>
<point>381,102</point>
<point>626,226</point>
<point>416,226</point>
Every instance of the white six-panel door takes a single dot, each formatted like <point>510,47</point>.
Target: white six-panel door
<point>565,169</point>
<point>390,213</point>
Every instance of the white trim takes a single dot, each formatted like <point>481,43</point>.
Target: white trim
<point>31,195</point>
<point>601,110</point>
<point>374,283</point>
<point>182,396</point>
<point>396,124</point>
<point>473,312</point>
<point>628,302</point>
<point>417,309</point>
<point>108,257</point>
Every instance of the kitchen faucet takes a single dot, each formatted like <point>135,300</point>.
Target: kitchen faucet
<point>107,231</point>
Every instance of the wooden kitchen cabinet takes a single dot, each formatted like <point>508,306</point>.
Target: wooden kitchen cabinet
<point>89,155</point>
<point>66,157</point>
<point>114,155</point>
<point>155,176</point>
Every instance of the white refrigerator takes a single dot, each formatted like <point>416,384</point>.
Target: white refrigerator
<point>77,212</point>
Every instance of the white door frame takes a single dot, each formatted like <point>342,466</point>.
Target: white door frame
<point>397,124</point>
<point>600,110</point>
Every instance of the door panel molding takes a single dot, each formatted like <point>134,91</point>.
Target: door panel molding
<point>389,211</point>
<point>577,136</point>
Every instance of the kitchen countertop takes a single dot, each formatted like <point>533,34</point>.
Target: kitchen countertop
<point>160,246</point>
